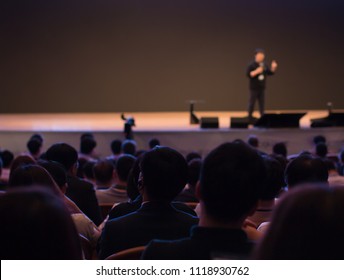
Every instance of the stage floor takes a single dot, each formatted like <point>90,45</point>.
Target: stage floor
<point>157,121</point>
<point>171,128</point>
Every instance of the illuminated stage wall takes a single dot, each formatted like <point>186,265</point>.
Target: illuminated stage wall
<point>145,55</point>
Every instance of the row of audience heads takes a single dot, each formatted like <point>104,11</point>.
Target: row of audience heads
<point>233,177</point>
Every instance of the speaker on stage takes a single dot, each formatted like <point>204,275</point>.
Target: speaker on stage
<point>279,120</point>
<point>210,122</point>
<point>239,122</point>
<point>333,119</point>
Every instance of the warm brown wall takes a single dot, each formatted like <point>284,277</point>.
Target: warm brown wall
<point>145,55</point>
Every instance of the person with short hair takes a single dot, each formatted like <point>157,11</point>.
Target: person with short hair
<point>79,191</point>
<point>306,169</point>
<point>163,176</point>
<point>116,179</point>
<point>34,147</point>
<point>103,172</point>
<point>116,149</point>
<point>319,139</point>
<point>129,147</point>
<point>253,141</point>
<point>273,185</point>
<point>87,171</point>
<point>192,155</point>
<point>87,148</point>
<point>135,198</point>
<point>257,72</point>
<point>232,179</point>
<point>321,150</point>
<point>280,148</point>
<point>188,194</point>
<point>153,143</point>
<point>7,158</point>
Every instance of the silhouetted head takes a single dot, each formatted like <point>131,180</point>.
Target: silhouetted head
<point>7,158</point>
<point>306,224</point>
<point>253,141</point>
<point>124,165</point>
<point>275,179</point>
<point>192,155</point>
<point>87,169</point>
<point>116,147</point>
<point>133,179</point>
<point>259,55</point>
<point>87,145</point>
<point>153,142</point>
<point>164,174</point>
<point>129,147</point>
<point>321,150</point>
<point>319,139</point>
<point>280,149</point>
<point>64,154</point>
<point>306,169</point>
<point>37,136</point>
<point>33,175</point>
<point>103,171</point>
<point>20,161</point>
<point>86,135</point>
<point>194,170</point>
<point>57,172</point>
<point>35,225</point>
<point>232,179</point>
<point>34,146</point>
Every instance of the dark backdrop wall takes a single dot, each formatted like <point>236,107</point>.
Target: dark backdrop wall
<point>145,55</point>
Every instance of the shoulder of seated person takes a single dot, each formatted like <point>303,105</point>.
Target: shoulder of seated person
<point>118,220</point>
<point>79,181</point>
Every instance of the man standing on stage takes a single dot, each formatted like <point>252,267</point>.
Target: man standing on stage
<point>257,72</point>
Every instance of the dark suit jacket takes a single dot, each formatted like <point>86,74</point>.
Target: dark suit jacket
<point>203,244</point>
<point>126,208</point>
<point>83,195</point>
<point>152,220</point>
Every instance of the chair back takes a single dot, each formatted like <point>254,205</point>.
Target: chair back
<point>128,254</point>
<point>105,209</point>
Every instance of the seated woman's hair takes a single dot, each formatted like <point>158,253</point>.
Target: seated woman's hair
<point>307,224</point>
<point>36,225</point>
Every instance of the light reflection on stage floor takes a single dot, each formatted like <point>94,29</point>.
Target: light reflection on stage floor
<point>150,121</point>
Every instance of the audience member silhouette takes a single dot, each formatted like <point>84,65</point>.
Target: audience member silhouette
<point>232,179</point>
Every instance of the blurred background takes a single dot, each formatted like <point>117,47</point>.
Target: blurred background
<point>153,55</point>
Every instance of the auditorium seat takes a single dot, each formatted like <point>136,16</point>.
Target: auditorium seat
<point>192,205</point>
<point>128,254</point>
<point>105,208</point>
<point>88,252</point>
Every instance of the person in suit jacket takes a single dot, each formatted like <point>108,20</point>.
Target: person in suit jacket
<point>232,177</point>
<point>114,178</point>
<point>79,191</point>
<point>131,206</point>
<point>163,175</point>
<point>257,72</point>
